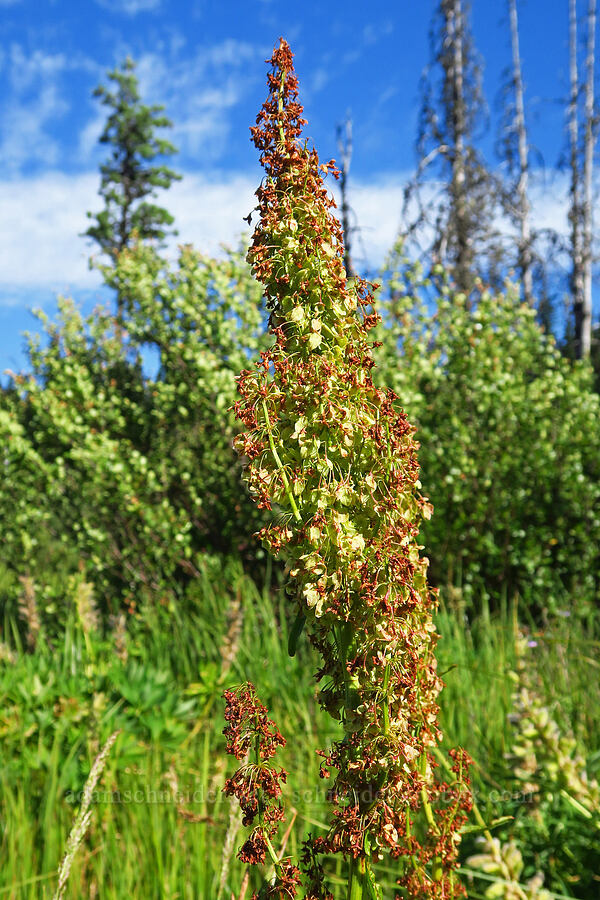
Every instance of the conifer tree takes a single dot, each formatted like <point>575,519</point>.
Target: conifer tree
<point>130,176</point>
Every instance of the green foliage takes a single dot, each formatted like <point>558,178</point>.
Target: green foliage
<point>25,480</point>
<point>204,320</point>
<point>510,439</point>
<point>159,819</point>
<point>550,708</point>
<point>548,757</point>
<point>131,474</point>
<point>128,177</point>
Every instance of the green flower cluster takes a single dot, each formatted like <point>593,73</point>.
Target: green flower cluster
<point>330,454</point>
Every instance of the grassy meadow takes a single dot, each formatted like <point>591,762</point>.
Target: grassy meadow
<point>161,826</point>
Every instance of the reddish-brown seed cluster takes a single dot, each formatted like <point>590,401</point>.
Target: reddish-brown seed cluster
<point>254,739</point>
<point>333,456</point>
<point>285,885</point>
<point>248,725</point>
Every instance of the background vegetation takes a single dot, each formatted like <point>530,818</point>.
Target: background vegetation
<point>132,591</point>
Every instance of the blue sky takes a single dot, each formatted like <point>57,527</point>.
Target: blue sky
<point>205,61</point>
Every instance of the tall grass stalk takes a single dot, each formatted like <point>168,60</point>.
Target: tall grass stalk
<point>83,818</point>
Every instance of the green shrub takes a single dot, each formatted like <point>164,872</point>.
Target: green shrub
<point>510,440</point>
<point>130,473</point>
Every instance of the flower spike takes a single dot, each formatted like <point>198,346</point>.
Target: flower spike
<point>335,458</point>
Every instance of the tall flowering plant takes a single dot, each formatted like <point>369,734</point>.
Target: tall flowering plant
<point>333,458</point>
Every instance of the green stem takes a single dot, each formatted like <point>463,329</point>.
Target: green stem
<point>274,858</point>
<point>270,848</point>
<point>408,836</point>
<point>280,108</point>
<point>476,811</point>
<point>355,882</point>
<point>386,705</point>
<point>425,797</point>
<point>361,880</point>
<point>341,649</point>
<point>279,465</point>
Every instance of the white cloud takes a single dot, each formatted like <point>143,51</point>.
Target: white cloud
<point>549,202</point>
<point>210,211</point>
<point>89,135</point>
<point>25,136</point>
<point>376,206</point>
<point>130,7</point>
<point>34,104</point>
<point>42,217</point>
<point>200,92</point>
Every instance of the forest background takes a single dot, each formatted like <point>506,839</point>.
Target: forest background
<point>132,588</point>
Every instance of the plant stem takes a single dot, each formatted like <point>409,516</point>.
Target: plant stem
<point>338,637</point>
<point>355,887</point>
<point>425,797</point>
<point>269,845</point>
<point>280,108</point>
<point>279,464</point>
<point>386,705</point>
<point>476,811</point>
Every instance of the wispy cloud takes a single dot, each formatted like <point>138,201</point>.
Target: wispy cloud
<point>130,7</point>
<point>34,101</point>
<point>26,138</point>
<point>89,135</point>
<point>374,32</point>
<point>42,217</point>
<point>200,91</point>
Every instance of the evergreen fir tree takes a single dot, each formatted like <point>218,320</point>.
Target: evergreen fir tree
<point>130,177</point>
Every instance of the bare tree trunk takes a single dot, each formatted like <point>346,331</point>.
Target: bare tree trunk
<point>344,137</point>
<point>523,205</point>
<point>455,31</point>
<point>588,164</point>
<point>575,211</point>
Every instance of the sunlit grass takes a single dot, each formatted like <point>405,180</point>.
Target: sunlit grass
<point>159,818</point>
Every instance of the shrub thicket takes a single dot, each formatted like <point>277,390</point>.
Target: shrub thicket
<point>130,474</point>
<point>132,471</point>
<point>510,439</point>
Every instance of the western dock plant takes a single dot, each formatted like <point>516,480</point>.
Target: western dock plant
<point>335,461</point>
